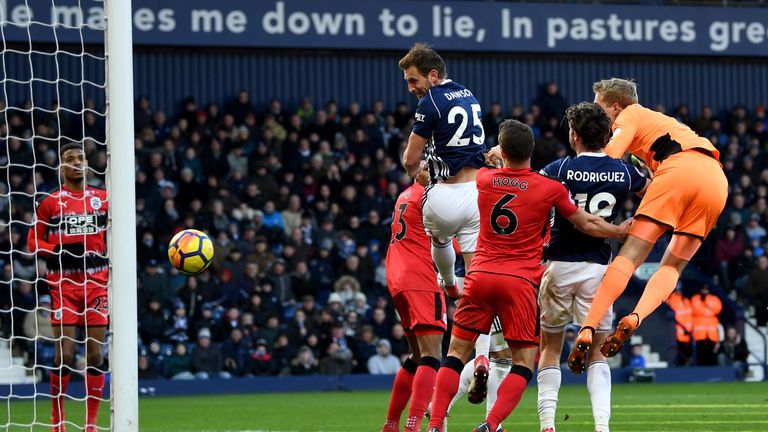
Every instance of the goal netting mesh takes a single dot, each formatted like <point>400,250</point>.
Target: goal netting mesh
<point>53,84</point>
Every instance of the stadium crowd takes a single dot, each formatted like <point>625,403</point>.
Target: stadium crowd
<point>298,203</point>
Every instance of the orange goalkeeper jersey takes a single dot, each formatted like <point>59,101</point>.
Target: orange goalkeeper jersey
<point>652,136</point>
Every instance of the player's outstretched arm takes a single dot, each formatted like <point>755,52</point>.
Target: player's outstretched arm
<point>413,153</point>
<point>597,227</point>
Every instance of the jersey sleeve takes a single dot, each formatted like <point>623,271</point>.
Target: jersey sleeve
<point>426,117</point>
<point>37,239</point>
<point>624,129</point>
<point>636,178</point>
<point>552,169</point>
<point>563,202</point>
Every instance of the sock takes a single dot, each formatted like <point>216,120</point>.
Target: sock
<point>445,260</point>
<point>548,381</point>
<point>423,387</point>
<point>499,370</point>
<point>59,383</point>
<point>613,284</point>
<point>482,345</point>
<point>465,380</point>
<point>510,392</point>
<point>94,388</point>
<point>658,289</point>
<point>599,387</point>
<point>401,390</point>
<point>445,388</point>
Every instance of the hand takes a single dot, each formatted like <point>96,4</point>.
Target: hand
<point>493,157</point>
<point>624,227</point>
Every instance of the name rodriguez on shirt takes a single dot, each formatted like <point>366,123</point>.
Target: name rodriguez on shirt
<point>613,177</point>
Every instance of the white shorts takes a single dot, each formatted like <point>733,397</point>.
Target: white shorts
<point>566,293</point>
<point>450,210</point>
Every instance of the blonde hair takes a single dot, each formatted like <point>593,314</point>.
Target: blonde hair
<point>617,90</point>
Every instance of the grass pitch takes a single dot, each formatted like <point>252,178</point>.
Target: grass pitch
<point>718,407</point>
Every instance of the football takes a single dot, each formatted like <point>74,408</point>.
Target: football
<point>190,251</point>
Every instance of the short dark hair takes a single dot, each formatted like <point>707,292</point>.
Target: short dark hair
<point>516,140</point>
<point>590,123</point>
<point>70,146</point>
<point>425,59</point>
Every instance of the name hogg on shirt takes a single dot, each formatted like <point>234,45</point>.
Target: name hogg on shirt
<point>510,182</point>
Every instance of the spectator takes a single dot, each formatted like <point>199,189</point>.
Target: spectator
<point>636,358</point>
<point>207,360</point>
<point>730,246</point>
<point>147,369</point>
<point>706,308</point>
<point>177,327</point>
<point>733,352</point>
<point>683,315</point>
<point>282,353</point>
<point>261,359</point>
<point>551,102</point>
<point>383,363</point>
<point>180,364</point>
<point>152,322</point>
<point>304,363</point>
<point>154,283</point>
<point>337,361</point>
<point>756,290</point>
<point>235,352</point>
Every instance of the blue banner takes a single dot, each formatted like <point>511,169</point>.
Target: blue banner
<point>396,24</point>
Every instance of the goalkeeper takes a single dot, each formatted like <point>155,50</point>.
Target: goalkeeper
<point>69,233</point>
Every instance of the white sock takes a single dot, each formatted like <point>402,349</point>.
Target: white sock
<point>465,379</point>
<point>445,260</point>
<point>548,381</point>
<point>460,284</point>
<point>599,387</point>
<point>482,345</point>
<point>499,370</point>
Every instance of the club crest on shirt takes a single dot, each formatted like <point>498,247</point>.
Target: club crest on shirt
<point>57,315</point>
<point>95,203</point>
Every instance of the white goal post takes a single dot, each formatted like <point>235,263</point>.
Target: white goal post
<point>121,188</point>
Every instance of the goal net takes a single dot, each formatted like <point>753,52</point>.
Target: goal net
<point>65,136</point>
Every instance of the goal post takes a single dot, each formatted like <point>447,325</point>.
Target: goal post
<point>121,184</point>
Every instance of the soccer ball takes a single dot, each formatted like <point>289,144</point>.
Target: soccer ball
<point>190,251</point>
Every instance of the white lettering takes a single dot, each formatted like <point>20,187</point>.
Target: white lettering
<point>144,19</point>
<point>464,26</point>
<point>236,21</point>
<point>407,25</point>
<point>21,15</point>
<point>298,23</point>
<point>95,17</point>
<point>386,17</point>
<point>68,16</point>
<point>207,20</point>
<point>522,27</point>
<point>755,33</point>
<point>718,33</point>
<point>274,21</point>
<point>557,30</point>
<point>668,31</point>
<point>167,22</point>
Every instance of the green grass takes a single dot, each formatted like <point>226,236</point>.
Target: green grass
<point>636,407</point>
